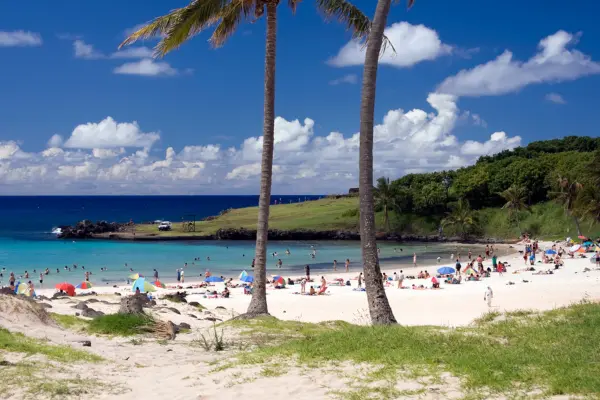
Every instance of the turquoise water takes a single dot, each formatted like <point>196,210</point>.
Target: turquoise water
<point>227,258</point>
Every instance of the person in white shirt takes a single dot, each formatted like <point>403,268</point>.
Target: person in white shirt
<point>488,296</point>
<point>400,279</point>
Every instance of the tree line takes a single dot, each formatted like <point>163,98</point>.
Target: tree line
<point>563,170</point>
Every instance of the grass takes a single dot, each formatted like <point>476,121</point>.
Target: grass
<point>557,351</point>
<point>18,343</point>
<point>70,322</point>
<point>119,324</point>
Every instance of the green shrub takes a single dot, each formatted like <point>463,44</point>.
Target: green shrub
<point>120,324</point>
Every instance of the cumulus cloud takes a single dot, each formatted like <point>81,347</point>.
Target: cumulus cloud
<point>413,44</point>
<point>55,141</point>
<point>146,67</point>
<point>133,52</point>
<point>86,51</point>
<point>555,98</point>
<point>108,134</point>
<point>350,79</point>
<point>111,157</point>
<point>553,62</point>
<point>20,39</point>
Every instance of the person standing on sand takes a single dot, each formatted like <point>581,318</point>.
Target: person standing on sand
<point>488,296</point>
<point>415,259</point>
<point>458,266</point>
<point>307,272</point>
<point>303,285</point>
<point>360,280</point>
<point>182,276</point>
<point>178,275</point>
<point>334,265</point>
<point>400,279</point>
<point>347,264</point>
<point>155,274</point>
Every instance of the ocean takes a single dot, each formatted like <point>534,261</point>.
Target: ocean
<point>27,242</point>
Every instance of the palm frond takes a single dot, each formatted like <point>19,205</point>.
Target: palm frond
<point>231,15</point>
<point>348,14</point>
<point>180,24</point>
<point>293,4</point>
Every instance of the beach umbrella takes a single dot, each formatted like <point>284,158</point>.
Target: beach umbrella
<point>574,248</point>
<point>470,271</point>
<point>597,248</point>
<point>278,279</point>
<point>550,251</point>
<point>588,243</point>
<point>85,285</point>
<point>247,278</point>
<point>243,275</point>
<point>213,279</point>
<point>144,286</point>
<point>582,237</point>
<point>23,288</point>
<point>159,284</point>
<point>446,270</point>
<point>135,276</point>
<point>66,287</point>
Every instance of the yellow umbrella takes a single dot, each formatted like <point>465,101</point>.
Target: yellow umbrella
<point>23,288</point>
<point>134,276</point>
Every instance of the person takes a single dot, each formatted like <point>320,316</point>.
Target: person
<point>279,263</point>
<point>41,280</point>
<point>360,277</point>
<point>347,264</point>
<point>470,254</point>
<point>323,281</point>
<point>11,279</point>
<point>303,285</point>
<point>182,276</point>
<point>415,259</point>
<point>155,274</point>
<point>495,262</point>
<point>178,275</point>
<point>31,288</point>
<point>335,265</point>
<point>488,296</point>
<point>458,266</point>
<point>435,283</point>
<point>253,262</point>
<point>312,291</point>
<point>597,259</point>
<point>307,272</point>
<point>225,293</point>
<point>400,279</point>
<point>137,291</point>
<point>439,259</point>
<point>487,251</point>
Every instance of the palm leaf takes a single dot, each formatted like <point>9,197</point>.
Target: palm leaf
<point>231,15</point>
<point>348,14</point>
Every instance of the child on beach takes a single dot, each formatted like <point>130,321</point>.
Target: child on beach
<point>488,296</point>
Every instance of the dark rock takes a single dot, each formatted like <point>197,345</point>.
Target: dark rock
<point>91,313</point>
<point>133,304</point>
<point>184,325</point>
<point>213,319</point>
<point>177,297</point>
<point>117,294</point>
<point>194,304</point>
<point>87,229</point>
<point>86,343</point>
<point>43,298</point>
<point>7,290</point>
<point>220,308</point>
<point>172,309</point>
<point>45,305</point>
<point>77,314</point>
<point>81,306</point>
<point>92,301</point>
<point>59,295</point>
<point>192,315</point>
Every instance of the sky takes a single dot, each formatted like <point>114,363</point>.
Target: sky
<point>467,78</point>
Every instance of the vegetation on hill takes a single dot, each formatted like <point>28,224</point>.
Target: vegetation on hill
<point>537,189</point>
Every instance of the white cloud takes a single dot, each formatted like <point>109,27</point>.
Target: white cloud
<point>552,63</point>
<point>86,51</point>
<point>413,44</point>
<point>133,52</point>
<point>55,141</point>
<point>350,79</point>
<point>20,39</point>
<point>146,67</point>
<point>555,98</point>
<point>97,157</point>
<point>108,134</point>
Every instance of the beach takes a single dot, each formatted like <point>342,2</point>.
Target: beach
<point>182,369</point>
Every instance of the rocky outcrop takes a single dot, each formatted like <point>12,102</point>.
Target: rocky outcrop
<point>87,229</point>
<point>133,304</point>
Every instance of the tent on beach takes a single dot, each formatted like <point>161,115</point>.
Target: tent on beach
<point>143,286</point>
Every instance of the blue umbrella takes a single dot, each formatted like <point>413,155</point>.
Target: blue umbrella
<point>213,279</point>
<point>247,278</point>
<point>446,271</point>
<point>588,243</point>
<point>550,251</point>
<point>143,286</point>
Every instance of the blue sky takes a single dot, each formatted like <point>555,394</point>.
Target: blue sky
<point>59,72</point>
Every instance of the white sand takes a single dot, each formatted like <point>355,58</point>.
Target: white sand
<point>181,371</point>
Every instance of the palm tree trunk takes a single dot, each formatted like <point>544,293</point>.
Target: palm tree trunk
<point>258,303</point>
<point>577,225</point>
<point>379,307</point>
<point>386,218</point>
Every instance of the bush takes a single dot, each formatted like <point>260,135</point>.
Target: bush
<point>120,324</point>
<point>353,212</point>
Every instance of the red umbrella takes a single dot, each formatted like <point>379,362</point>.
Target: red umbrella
<point>582,237</point>
<point>66,287</point>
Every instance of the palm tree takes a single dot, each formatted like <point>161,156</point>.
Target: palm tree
<point>516,197</point>
<point>385,199</point>
<point>225,15</point>
<point>461,218</point>
<point>567,194</point>
<point>379,306</point>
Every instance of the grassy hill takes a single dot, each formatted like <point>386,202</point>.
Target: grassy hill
<point>546,220</point>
